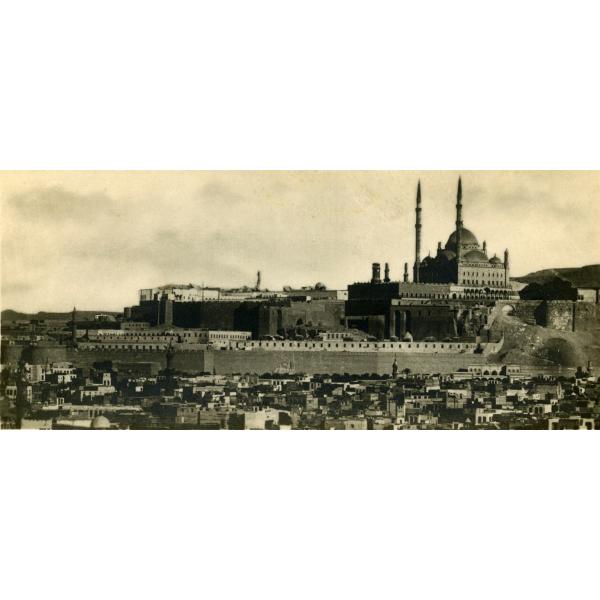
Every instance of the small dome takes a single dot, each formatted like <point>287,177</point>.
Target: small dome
<point>448,254</point>
<point>407,337</point>
<point>475,256</point>
<point>467,240</point>
<point>100,422</point>
<point>495,260</point>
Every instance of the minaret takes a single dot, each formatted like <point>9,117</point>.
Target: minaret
<point>405,272</point>
<point>73,328</point>
<point>386,273</point>
<point>459,221</point>
<point>485,247</point>
<point>170,354</point>
<point>258,281</point>
<point>416,274</point>
<point>506,268</point>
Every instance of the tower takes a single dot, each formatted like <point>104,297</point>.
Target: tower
<point>506,269</point>
<point>170,355</point>
<point>395,368</point>
<point>386,273</point>
<point>73,328</point>
<point>459,221</point>
<point>416,274</point>
<point>258,281</point>
<point>405,272</point>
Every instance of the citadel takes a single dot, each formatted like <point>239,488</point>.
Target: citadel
<point>443,320</point>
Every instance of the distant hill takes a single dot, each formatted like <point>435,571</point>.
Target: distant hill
<point>588,276</point>
<point>82,315</point>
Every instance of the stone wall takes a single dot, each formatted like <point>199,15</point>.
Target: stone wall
<point>559,314</point>
<point>227,362</point>
<point>529,311</point>
<point>587,317</point>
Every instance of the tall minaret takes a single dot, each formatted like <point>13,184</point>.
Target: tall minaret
<point>405,272</point>
<point>459,221</point>
<point>506,269</point>
<point>416,274</point>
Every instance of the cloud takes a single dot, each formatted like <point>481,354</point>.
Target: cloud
<point>93,239</point>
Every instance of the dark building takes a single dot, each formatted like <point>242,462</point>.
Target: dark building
<point>272,317</point>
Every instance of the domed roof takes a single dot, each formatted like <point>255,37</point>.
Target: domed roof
<point>467,239</point>
<point>407,337</point>
<point>448,254</point>
<point>100,422</point>
<point>495,260</point>
<point>475,256</point>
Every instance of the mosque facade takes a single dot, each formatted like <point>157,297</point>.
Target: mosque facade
<point>462,260</point>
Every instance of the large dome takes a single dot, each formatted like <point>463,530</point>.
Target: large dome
<point>468,240</point>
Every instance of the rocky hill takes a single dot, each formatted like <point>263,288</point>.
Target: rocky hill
<point>526,344</point>
<point>588,276</point>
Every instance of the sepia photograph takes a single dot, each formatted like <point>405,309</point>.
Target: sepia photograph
<point>277,300</point>
<point>324,276</point>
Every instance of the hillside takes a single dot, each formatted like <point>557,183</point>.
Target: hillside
<point>526,344</point>
<point>9,315</point>
<point>588,276</point>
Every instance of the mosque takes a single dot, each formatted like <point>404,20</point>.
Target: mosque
<point>462,261</point>
<point>449,296</point>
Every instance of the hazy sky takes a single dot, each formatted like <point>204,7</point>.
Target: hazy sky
<point>92,239</point>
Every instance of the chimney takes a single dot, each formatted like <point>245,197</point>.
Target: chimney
<point>386,276</point>
<point>376,277</point>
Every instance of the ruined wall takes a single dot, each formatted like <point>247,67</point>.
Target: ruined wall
<point>559,315</point>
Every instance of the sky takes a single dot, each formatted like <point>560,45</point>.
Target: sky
<point>93,239</point>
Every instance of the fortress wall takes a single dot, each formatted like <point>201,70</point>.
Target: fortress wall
<point>38,355</point>
<point>191,361</point>
<point>359,347</point>
<point>587,317</point>
<point>559,315</point>
<point>529,311</point>
<point>261,361</point>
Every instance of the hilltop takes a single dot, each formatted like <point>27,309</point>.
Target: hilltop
<point>9,315</point>
<point>584,277</point>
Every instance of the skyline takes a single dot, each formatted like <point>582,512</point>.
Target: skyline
<point>93,239</point>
